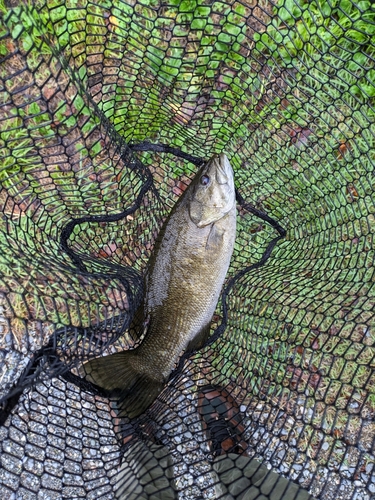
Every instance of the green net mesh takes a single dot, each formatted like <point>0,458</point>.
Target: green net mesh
<point>87,90</point>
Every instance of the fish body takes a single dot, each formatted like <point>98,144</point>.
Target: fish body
<point>183,283</point>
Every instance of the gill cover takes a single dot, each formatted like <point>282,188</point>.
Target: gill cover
<point>214,195</point>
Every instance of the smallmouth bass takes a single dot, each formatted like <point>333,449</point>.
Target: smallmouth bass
<point>183,282</point>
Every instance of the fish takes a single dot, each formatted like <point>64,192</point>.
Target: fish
<point>183,282</point>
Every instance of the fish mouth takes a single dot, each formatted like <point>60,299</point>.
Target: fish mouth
<point>223,169</point>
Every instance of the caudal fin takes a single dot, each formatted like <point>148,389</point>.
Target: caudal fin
<point>115,373</point>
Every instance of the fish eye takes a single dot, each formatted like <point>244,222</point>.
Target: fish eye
<point>205,180</point>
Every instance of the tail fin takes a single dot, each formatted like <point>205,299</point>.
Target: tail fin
<point>115,373</point>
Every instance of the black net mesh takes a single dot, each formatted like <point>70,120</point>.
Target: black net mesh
<point>107,109</point>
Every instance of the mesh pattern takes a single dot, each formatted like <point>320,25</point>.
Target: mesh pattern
<point>286,90</point>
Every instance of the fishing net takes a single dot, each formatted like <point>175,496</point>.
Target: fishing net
<point>107,110</point>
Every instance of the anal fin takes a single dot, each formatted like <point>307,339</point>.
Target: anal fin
<point>199,340</point>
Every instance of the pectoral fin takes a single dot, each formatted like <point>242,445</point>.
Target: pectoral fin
<point>215,238</point>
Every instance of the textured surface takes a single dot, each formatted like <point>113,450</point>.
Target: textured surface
<point>287,91</point>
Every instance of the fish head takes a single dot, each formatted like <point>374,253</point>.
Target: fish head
<point>212,193</point>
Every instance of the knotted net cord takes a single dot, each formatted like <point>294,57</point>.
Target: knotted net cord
<point>286,91</point>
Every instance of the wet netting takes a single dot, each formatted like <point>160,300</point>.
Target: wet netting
<point>107,110</point>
